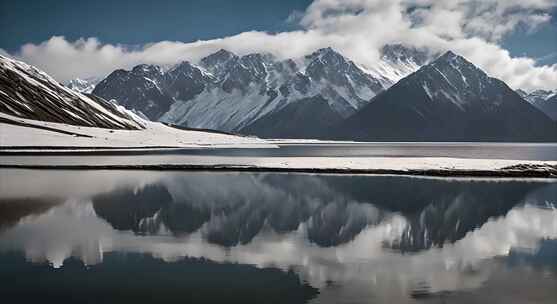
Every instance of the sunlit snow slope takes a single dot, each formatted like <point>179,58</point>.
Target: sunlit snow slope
<point>38,112</point>
<point>27,92</point>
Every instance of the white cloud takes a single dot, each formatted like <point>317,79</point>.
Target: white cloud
<point>357,28</point>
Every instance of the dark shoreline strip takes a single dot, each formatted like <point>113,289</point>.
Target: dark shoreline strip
<point>526,173</point>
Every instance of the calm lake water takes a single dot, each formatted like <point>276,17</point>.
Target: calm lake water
<point>520,151</point>
<point>523,151</point>
<point>201,237</point>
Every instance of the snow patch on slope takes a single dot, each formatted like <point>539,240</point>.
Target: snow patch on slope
<point>33,133</point>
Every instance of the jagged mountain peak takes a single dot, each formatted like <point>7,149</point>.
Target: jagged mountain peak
<point>449,57</point>
<point>138,89</point>
<point>219,56</point>
<point>219,62</point>
<point>340,79</point>
<point>183,67</point>
<point>456,73</point>
<point>147,69</point>
<point>396,62</point>
<point>398,53</point>
<point>242,89</point>
<point>331,60</point>
<point>83,85</point>
<point>326,55</point>
<point>257,62</point>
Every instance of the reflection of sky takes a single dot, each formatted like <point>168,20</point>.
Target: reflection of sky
<point>363,263</point>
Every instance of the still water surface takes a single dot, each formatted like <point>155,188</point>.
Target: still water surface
<point>136,236</point>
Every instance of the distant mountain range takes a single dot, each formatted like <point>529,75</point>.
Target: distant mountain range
<point>86,85</point>
<point>544,100</point>
<point>409,95</point>
<point>406,96</point>
<point>449,99</point>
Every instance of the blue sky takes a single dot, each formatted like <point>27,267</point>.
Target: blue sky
<point>539,44</point>
<point>357,28</point>
<point>144,21</point>
<point>140,21</point>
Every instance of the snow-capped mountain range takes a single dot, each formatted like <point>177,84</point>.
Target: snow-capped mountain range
<point>406,97</point>
<point>86,85</point>
<point>398,61</point>
<point>228,92</point>
<point>449,99</point>
<point>37,112</point>
<point>545,100</point>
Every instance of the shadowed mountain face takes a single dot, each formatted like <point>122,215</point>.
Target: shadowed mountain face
<point>27,92</point>
<point>306,118</point>
<point>550,108</point>
<point>136,89</point>
<point>449,100</point>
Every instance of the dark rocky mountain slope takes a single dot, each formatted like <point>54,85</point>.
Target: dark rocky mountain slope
<point>449,99</point>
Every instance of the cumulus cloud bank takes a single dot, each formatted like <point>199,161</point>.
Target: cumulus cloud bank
<point>356,28</point>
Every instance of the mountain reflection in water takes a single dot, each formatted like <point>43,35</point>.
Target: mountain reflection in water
<point>362,239</point>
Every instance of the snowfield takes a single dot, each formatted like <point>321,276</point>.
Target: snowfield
<point>38,134</point>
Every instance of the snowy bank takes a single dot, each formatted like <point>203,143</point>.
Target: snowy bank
<point>433,166</point>
<point>18,132</point>
<point>18,136</point>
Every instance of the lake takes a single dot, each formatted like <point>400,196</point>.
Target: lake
<point>227,237</point>
<point>519,151</point>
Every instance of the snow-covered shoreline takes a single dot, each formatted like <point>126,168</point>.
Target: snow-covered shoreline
<point>23,133</point>
<point>35,144</point>
<point>430,166</point>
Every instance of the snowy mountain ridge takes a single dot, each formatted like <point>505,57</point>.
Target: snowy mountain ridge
<point>398,61</point>
<point>544,100</point>
<point>537,95</point>
<point>27,92</point>
<point>86,85</point>
<point>228,92</point>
